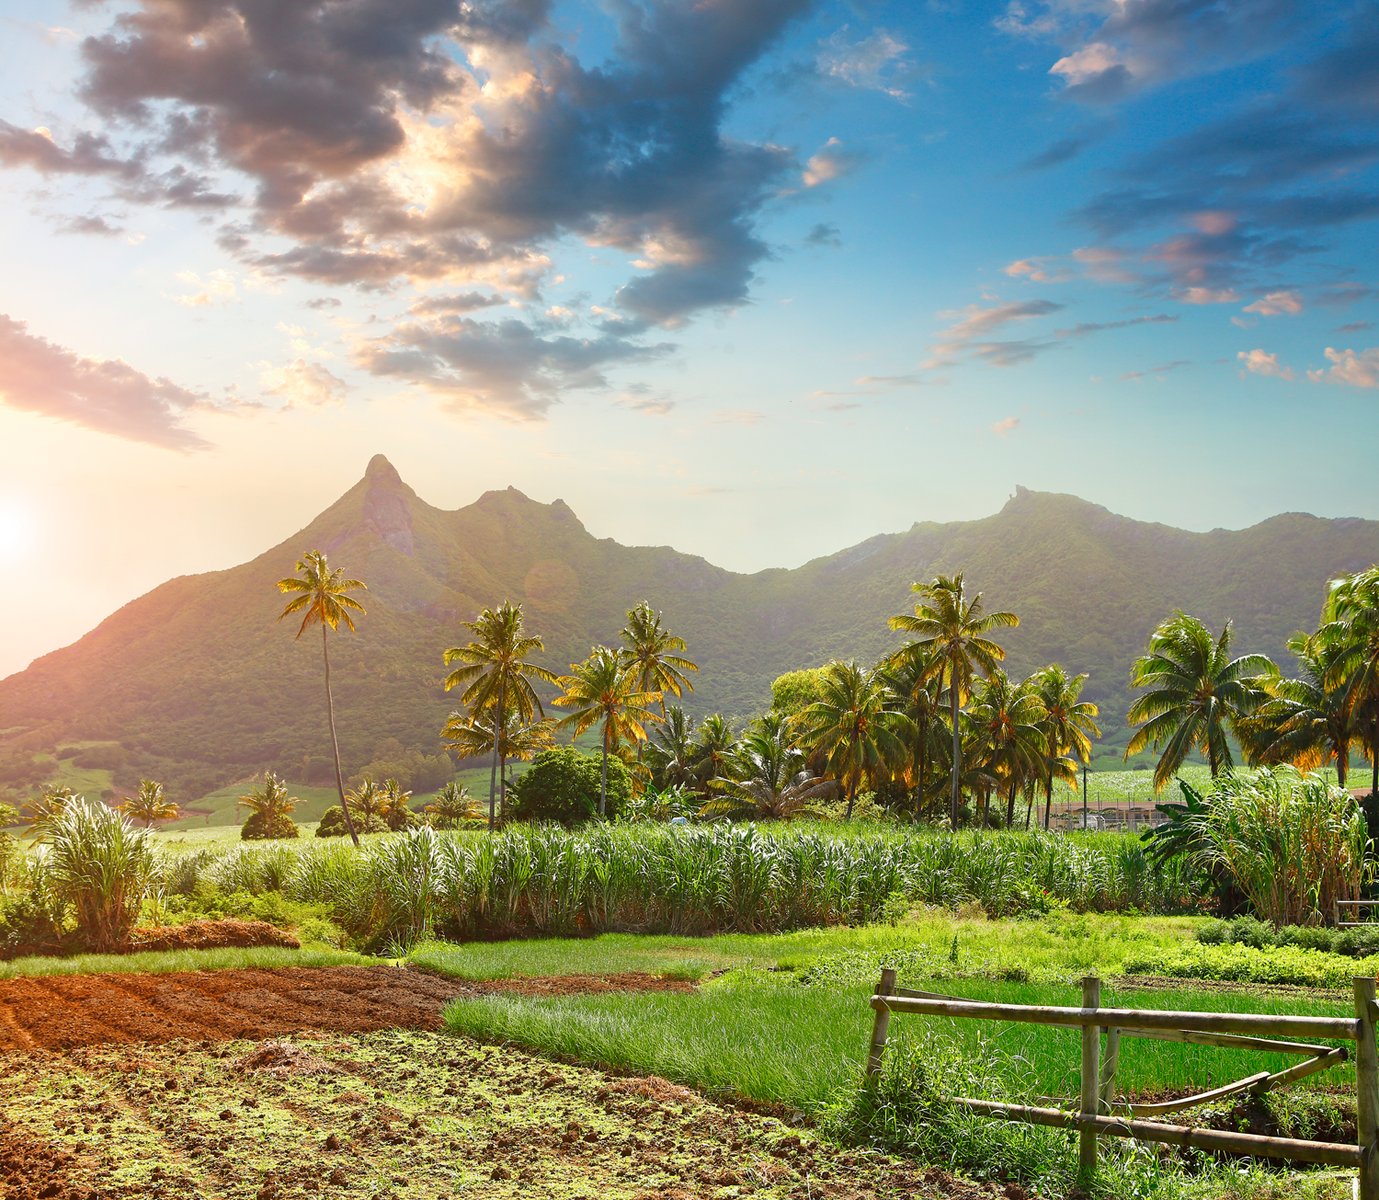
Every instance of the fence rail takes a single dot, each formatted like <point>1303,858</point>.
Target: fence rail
<point>1100,1114</point>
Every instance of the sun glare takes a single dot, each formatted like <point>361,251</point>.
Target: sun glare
<point>18,530</point>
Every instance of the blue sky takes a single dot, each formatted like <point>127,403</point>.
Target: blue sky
<point>754,278</point>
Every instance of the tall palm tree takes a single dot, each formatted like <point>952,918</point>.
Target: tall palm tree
<point>766,777</point>
<point>1197,694</point>
<point>713,743</point>
<point>950,631</point>
<point>652,653</point>
<point>1007,716</point>
<point>1350,630</point>
<point>1069,725</point>
<point>149,804</point>
<point>915,692</point>
<point>270,801</point>
<point>851,727</point>
<point>1306,721</point>
<point>497,679</point>
<point>670,750</point>
<point>518,739</point>
<point>604,690</point>
<point>323,598</point>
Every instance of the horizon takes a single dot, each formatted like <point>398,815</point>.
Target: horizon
<point>752,280</point>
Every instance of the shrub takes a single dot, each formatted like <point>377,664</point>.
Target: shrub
<point>101,867</point>
<point>563,785</point>
<point>262,827</point>
<point>333,823</point>
<point>30,924</point>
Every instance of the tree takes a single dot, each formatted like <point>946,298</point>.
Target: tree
<point>604,690</point>
<point>713,743</point>
<point>951,634</point>
<point>652,652</point>
<point>767,779</point>
<point>1197,693</point>
<point>1350,630</point>
<point>915,692</point>
<point>1306,721</point>
<point>452,806</point>
<point>1007,717</point>
<point>851,726</point>
<point>497,680</point>
<point>40,813</point>
<point>671,750</point>
<point>149,804</point>
<point>1069,725</point>
<point>323,598</point>
<point>568,786</point>
<point>270,807</point>
<point>517,740</point>
<point>393,805</point>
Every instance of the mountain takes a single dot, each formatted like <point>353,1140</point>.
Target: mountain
<point>199,682</point>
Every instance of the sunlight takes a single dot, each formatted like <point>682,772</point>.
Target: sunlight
<point>18,530</point>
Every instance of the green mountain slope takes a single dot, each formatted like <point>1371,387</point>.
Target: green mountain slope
<point>197,680</point>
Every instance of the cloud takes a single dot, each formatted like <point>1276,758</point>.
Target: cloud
<point>1206,295</point>
<point>37,376</point>
<point>219,287</point>
<point>639,397</point>
<point>1056,153</point>
<point>1276,303</point>
<point>303,383</point>
<point>824,234</point>
<point>1089,327</point>
<point>879,62</point>
<point>1096,72</point>
<point>832,162</point>
<point>1355,368</point>
<point>1260,362</point>
<point>1104,264</point>
<point>970,334</point>
<point>90,224</point>
<point>1355,327</point>
<point>451,303</point>
<point>1005,426</point>
<point>1032,269</point>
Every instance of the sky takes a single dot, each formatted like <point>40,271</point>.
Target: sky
<point>757,279</point>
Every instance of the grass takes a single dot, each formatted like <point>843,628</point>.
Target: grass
<point>159,962</point>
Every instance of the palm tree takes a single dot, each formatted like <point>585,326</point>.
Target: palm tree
<point>1350,630</point>
<point>452,804</point>
<point>851,727</point>
<point>518,739</point>
<point>713,743</point>
<point>322,597</point>
<point>1069,725</point>
<point>149,804</point>
<point>271,801</point>
<point>670,750</point>
<point>951,633</point>
<point>766,778</point>
<point>915,692</point>
<point>1007,717</point>
<point>393,801</point>
<point>497,679</point>
<point>40,813</point>
<point>1197,693</point>
<point>366,800</point>
<point>604,689</point>
<point>650,650</point>
<point>1306,721</point>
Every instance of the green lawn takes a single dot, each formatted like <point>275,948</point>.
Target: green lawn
<point>160,962</point>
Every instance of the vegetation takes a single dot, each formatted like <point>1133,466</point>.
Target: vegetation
<point>270,811</point>
<point>570,788</point>
<point>323,598</point>
<point>150,804</point>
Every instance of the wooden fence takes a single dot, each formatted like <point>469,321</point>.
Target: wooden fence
<point>1100,1114</point>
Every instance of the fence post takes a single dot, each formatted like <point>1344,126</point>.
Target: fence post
<point>1367,1079</point>
<point>1109,1066</point>
<point>878,1030</point>
<point>1091,1054</point>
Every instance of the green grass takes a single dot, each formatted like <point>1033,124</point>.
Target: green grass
<point>159,962</point>
<point>64,772</point>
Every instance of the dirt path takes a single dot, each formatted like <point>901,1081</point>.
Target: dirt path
<point>62,1012</point>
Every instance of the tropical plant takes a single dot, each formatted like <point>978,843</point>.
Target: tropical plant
<point>40,812</point>
<point>98,864</point>
<point>604,690</point>
<point>671,750</point>
<point>1197,693</point>
<point>270,807</point>
<point>915,692</point>
<point>1350,632</point>
<point>452,806</point>
<point>393,806</point>
<point>852,728</point>
<point>1068,725</point>
<point>767,779</point>
<point>655,655</point>
<point>149,804</point>
<point>667,804</point>
<point>519,740</point>
<point>497,680</point>
<point>951,636</point>
<point>1007,718</point>
<point>323,598</point>
<point>571,787</point>
<point>713,744</point>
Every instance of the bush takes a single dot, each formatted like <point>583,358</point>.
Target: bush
<point>262,827</point>
<point>29,925</point>
<point>333,823</point>
<point>563,785</point>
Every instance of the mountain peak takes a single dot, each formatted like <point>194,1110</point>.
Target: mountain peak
<point>380,470</point>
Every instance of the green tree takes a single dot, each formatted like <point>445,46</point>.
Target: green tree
<point>852,728</point>
<point>670,750</point>
<point>1007,717</point>
<point>713,743</point>
<point>1069,725</point>
<point>149,804</point>
<point>497,679</point>
<point>50,803</point>
<point>1350,631</point>
<point>323,598</point>
<point>950,632</point>
<point>767,779</point>
<point>605,690</point>
<point>915,692</point>
<point>568,786</point>
<point>452,806</point>
<point>1197,693</point>
<point>519,740</point>
<point>270,808</point>
<point>655,655</point>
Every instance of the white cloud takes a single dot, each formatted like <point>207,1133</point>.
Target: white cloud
<point>1207,295</point>
<point>828,164</point>
<point>1005,426</point>
<point>1356,368</point>
<point>1087,64</point>
<point>1277,303</point>
<point>1261,362</point>
<point>878,62</point>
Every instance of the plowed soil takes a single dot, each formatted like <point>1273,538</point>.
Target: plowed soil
<point>62,1012</point>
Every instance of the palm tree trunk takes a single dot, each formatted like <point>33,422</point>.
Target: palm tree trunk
<point>493,768</point>
<point>1048,801</point>
<point>920,765</point>
<point>953,806</point>
<point>1010,800</point>
<point>1342,763</point>
<point>1374,754</point>
<point>603,775</point>
<point>335,742</point>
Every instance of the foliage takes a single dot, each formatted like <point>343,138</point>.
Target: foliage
<point>766,779</point>
<point>655,654</point>
<point>150,804</point>
<point>269,827</point>
<point>452,807</point>
<point>270,806</point>
<point>99,866</point>
<point>566,786</point>
<point>795,691</point>
<point>332,823</point>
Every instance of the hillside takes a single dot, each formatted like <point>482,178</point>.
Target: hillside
<point>198,681</point>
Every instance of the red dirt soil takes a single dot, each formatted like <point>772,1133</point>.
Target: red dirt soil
<point>210,935</point>
<point>60,1012</point>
